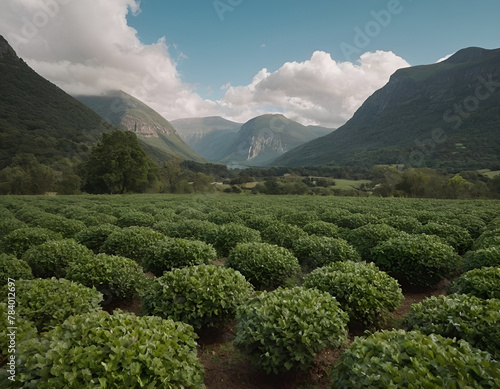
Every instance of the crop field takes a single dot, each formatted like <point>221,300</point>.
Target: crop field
<point>249,291</point>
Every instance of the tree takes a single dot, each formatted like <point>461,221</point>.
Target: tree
<point>118,164</point>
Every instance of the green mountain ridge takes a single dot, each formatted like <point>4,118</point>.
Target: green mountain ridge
<point>39,118</point>
<point>156,134</point>
<point>444,115</point>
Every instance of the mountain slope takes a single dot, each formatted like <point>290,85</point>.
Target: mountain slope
<point>210,137</point>
<point>266,137</point>
<point>38,117</point>
<point>440,115</point>
<point>160,140</point>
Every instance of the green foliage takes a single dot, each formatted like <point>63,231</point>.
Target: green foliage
<point>20,240</point>
<point>131,242</point>
<point>366,237</point>
<point>399,359</point>
<point>222,217</point>
<point>259,222</point>
<point>282,234</point>
<point>135,218</point>
<point>263,264</point>
<point>316,251</point>
<point>94,237</point>
<point>284,329</point>
<point>487,239</point>
<point>486,257</point>
<point>231,234</point>
<point>51,258</point>
<point>177,252</point>
<point>10,224</point>
<point>114,351</point>
<point>406,224</point>
<point>66,227</point>
<point>422,260</point>
<point>362,290</point>
<point>11,267</point>
<point>457,237</point>
<point>322,228</point>
<point>118,164</point>
<point>196,230</point>
<point>203,296</point>
<point>49,302</point>
<point>356,220</point>
<point>115,277</point>
<point>24,329</point>
<point>299,219</point>
<point>459,316</point>
<point>483,283</point>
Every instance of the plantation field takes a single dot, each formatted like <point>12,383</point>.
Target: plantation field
<point>243,291</point>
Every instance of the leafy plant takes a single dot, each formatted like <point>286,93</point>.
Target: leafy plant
<point>11,267</point>
<point>232,234</point>
<point>116,351</point>
<point>50,259</point>
<point>131,242</point>
<point>135,218</point>
<point>282,234</point>
<point>175,253</point>
<point>356,220</point>
<point>202,230</point>
<point>399,359</point>
<point>457,237</point>
<point>322,228</point>
<point>316,251</point>
<point>20,240</point>
<point>263,264</point>
<point>24,329</point>
<point>406,224</point>
<point>94,237</point>
<point>8,225</point>
<point>366,237</point>
<point>362,290</point>
<point>284,329</point>
<point>459,316</point>
<point>203,296</point>
<point>49,302</point>
<point>115,277</point>
<point>486,257</point>
<point>487,239</point>
<point>483,283</point>
<point>299,219</point>
<point>66,227</point>
<point>422,260</point>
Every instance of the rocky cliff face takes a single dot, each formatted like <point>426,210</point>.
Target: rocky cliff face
<point>148,129</point>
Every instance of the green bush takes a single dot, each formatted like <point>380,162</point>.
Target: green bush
<point>473,224</point>
<point>115,277</point>
<point>131,242</point>
<point>66,227</point>
<point>299,219</point>
<point>177,252</point>
<point>284,329</point>
<point>50,259</point>
<point>20,240</point>
<point>422,260</point>
<point>486,257</point>
<point>10,224</point>
<point>399,359</point>
<point>487,239</point>
<point>459,316</point>
<point>282,234</point>
<point>356,220</point>
<point>263,264</point>
<point>121,350</point>
<point>259,222</point>
<point>316,251</point>
<point>322,228</point>
<point>483,283</point>
<point>231,234</point>
<point>457,237</point>
<point>24,329</point>
<point>203,296</point>
<point>362,290</point>
<point>94,237</point>
<point>406,224</point>
<point>202,230</point>
<point>366,237</point>
<point>135,218</point>
<point>49,302</point>
<point>222,217</point>
<point>11,267</point>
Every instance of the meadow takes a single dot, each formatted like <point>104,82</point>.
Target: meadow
<point>250,291</point>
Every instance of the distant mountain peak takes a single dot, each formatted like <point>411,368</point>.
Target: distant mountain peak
<point>5,49</point>
<point>469,54</point>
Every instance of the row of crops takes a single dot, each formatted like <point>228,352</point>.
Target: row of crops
<point>293,273</point>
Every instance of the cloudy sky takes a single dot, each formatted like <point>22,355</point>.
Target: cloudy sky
<point>314,61</point>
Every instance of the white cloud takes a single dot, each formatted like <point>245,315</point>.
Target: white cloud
<point>318,91</point>
<point>90,49</point>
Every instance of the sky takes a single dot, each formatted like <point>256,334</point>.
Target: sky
<point>314,61</point>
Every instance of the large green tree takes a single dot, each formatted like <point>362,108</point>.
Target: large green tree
<point>118,164</point>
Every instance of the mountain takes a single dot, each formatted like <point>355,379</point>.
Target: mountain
<point>156,135</point>
<point>210,137</point>
<point>38,117</point>
<point>444,115</point>
<point>266,137</point>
